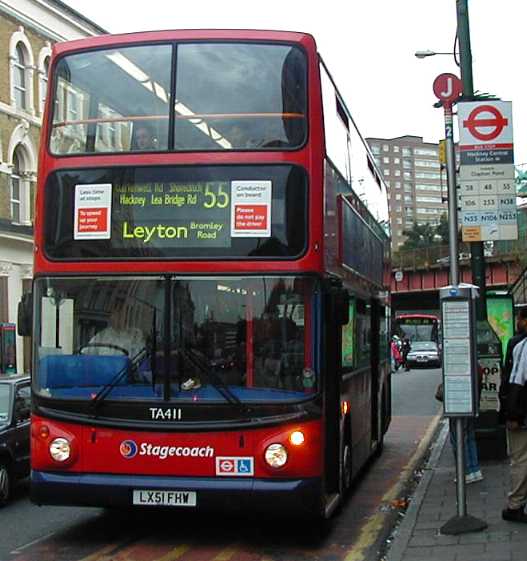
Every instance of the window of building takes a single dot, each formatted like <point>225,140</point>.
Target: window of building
<point>397,184</point>
<point>43,71</point>
<point>427,187</point>
<point>407,152</point>
<point>427,164</point>
<point>427,175</point>
<point>20,78</point>
<point>375,149</point>
<point>425,152</point>
<point>396,149</point>
<point>20,179</point>
<point>398,197</point>
<point>397,172</point>
<point>386,147</point>
<point>399,220</point>
<point>386,160</point>
<point>430,199</point>
<point>388,184</point>
<point>408,198</point>
<point>407,175</point>
<point>386,171</point>
<point>21,65</point>
<point>428,210</point>
<point>407,164</point>
<point>15,189</point>
<point>407,187</point>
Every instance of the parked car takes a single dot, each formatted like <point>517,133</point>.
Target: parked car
<point>423,353</point>
<point>15,410</point>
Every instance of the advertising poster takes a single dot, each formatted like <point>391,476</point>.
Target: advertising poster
<point>348,332</point>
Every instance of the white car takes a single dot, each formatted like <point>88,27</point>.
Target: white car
<point>423,353</point>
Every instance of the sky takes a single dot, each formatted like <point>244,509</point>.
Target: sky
<point>369,47</point>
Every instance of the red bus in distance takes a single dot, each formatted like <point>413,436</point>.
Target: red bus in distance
<point>210,302</point>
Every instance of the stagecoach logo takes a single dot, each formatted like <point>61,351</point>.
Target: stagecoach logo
<point>128,449</point>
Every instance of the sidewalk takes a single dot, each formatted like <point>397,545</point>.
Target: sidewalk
<point>434,503</point>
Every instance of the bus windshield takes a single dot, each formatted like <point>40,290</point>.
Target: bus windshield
<point>169,338</point>
<point>226,96</point>
<point>418,327</point>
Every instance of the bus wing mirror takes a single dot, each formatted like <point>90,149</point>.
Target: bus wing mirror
<point>25,315</point>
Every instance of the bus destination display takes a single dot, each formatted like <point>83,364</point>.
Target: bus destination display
<point>187,214</point>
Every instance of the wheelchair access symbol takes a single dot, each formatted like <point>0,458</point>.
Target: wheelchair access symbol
<point>234,466</point>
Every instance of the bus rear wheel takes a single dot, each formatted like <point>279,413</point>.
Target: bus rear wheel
<point>345,468</point>
<point>5,483</point>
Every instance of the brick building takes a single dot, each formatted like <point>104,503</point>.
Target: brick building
<point>28,29</point>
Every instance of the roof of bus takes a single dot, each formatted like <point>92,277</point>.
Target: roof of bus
<point>185,35</point>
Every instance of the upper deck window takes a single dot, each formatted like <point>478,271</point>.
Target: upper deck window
<point>228,96</point>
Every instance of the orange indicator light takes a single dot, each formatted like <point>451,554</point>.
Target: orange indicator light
<point>43,431</point>
<point>345,407</point>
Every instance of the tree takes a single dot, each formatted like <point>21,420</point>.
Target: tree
<point>442,230</point>
<point>420,235</point>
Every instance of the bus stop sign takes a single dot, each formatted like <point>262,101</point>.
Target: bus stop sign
<point>447,88</point>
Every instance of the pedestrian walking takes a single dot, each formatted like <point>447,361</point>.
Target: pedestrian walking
<point>514,393</point>
<point>405,349</point>
<point>395,353</point>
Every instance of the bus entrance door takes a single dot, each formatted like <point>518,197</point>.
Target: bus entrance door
<point>336,314</point>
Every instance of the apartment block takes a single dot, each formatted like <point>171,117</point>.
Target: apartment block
<point>417,186</point>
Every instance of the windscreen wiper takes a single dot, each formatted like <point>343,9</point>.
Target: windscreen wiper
<point>103,393</point>
<point>206,368</point>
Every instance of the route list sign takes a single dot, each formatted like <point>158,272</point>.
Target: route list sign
<point>458,356</point>
<point>486,178</point>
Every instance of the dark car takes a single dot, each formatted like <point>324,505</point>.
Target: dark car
<point>15,410</point>
<point>423,353</point>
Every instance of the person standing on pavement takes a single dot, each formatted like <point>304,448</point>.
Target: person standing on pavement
<point>405,349</point>
<point>514,392</point>
<point>472,469</point>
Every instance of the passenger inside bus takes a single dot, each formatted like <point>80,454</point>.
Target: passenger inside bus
<point>143,138</point>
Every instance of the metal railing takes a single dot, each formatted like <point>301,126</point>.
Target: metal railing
<point>437,255</point>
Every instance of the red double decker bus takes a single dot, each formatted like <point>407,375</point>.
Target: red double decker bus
<point>418,327</point>
<point>209,302</point>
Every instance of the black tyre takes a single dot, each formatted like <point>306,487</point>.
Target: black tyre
<point>6,483</point>
<point>345,468</point>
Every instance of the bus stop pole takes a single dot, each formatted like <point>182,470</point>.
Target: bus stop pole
<point>453,247</point>
<point>463,522</point>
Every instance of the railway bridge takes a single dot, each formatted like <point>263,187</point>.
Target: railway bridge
<point>418,274</point>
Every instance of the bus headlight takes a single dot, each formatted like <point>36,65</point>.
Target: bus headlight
<point>276,455</point>
<point>60,449</point>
